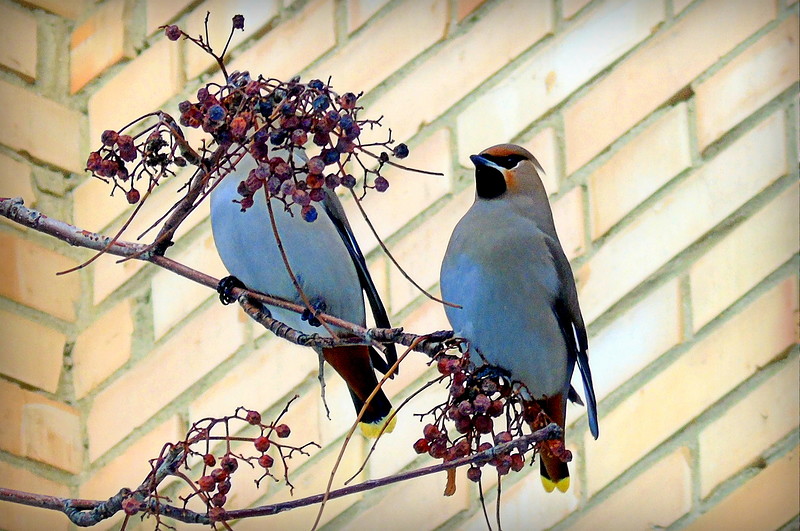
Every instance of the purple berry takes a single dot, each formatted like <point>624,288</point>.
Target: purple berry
<point>173,32</point>
<point>401,151</point>
<point>238,22</point>
<point>309,213</point>
<point>381,184</point>
<point>349,181</point>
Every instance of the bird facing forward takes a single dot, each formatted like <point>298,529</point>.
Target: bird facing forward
<point>519,311</point>
<point>329,268</point>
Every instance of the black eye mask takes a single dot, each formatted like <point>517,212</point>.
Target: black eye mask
<point>505,161</point>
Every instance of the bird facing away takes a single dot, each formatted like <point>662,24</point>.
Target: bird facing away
<point>329,268</point>
<point>505,267</point>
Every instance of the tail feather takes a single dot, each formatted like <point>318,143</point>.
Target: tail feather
<point>353,364</point>
<point>554,471</point>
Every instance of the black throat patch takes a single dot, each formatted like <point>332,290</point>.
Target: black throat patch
<point>489,182</point>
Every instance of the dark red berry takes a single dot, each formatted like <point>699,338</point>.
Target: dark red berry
<point>216,514</point>
<point>431,432</point>
<point>282,430</point>
<point>474,474</point>
<point>463,425</point>
<point>495,408</point>
<point>219,475</point>
<point>502,437</point>
<point>261,443</point>
<point>132,196</point>
<point>483,424</point>
<point>209,460</point>
<point>206,483</point>
<point>481,403</point>
<point>218,500</point>
<point>229,464</point>
<point>131,506</point>
<point>224,487</point>
<point>173,32</point>
<point>266,461</point>
<point>422,446</point>
<point>109,137</point>
<point>517,462</point>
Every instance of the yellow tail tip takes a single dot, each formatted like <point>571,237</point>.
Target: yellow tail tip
<point>372,430</point>
<point>549,485</point>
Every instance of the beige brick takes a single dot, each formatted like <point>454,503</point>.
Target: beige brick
<point>768,501</point>
<point>703,375</point>
<point>544,146</point>
<point>51,433</point>
<point>94,206</point>
<point>32,352</point>
<point>18,48</point>
<point>666,64</point>
<point>568,217</point>
<point>121,99</point>
<point>645,503</point>
<point>636,338</point>
<point>421,252</point>
<point>679,5</point>
<point>16,180</point>
<point>109,275</point>
<point>280,54</point>
<point>72,9</point>
<point>41,127</point>
<point>259,381</point>
<point>30,277</point>
<point>769,413</point>
<point>756,247</point>
<point>39,428</point>
<point>641,167</point>
<point>168,371</point>
<point>160,13</point>
<point>677,220</point>
<point>385,45</point>
<point>102,348</point>
<point>570,7</point>
<point>465,7</point>
<point>558,69</point>
<point>752,79</point>
<point>359,11</point>
<point>525,505</point>
<point>131,467</point>
<point>256,14</point>
<point>19,517</point>
<point>98,43</point>
<point>175,297</point>
<point>461,65</point>
<point>409,193</point>
<point>420,513</point>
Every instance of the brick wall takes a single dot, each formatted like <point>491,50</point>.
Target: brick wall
<point>669,133</point>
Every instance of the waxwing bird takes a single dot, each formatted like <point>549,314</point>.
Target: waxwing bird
<point>329,268</point>
<point>519,306</point>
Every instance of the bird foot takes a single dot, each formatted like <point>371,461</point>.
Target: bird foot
<point>225,289</point>
<point>319,306</point>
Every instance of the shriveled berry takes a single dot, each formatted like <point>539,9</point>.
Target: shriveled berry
<point>218,500</point>
<point>502,437</point>
<point>282,431</point>
<point>209,460</point>
<point>266,461</point>
<point>484,446</point>
<point>109,137</point>
<point>317,194</point>
<point>348,181</point>
<point>462,448</point>
<point>465,408</point>
<point>229,463</point>
<point>309,214</point>
<point>315,181</point>
<point>474,474</point>
<point>332,180</point>
<point>316,165</point>
<point>238,22</point>
<point>348,100</point>
<point>321,138</point>
<point>483,424</point>
<point>381,184</point>
<point>301,197</point>
<point>173,32</point>
<point>132,196</point>
<point>224,487</point>
<point>206,483</point>
<point>422,446</point>
<point>463,425</point>
<point>261,443</point>
<point>517,462</point>
<point>495,408</point>
<point>489,386</point>
<point>481,403</point>
<point>400,151</point>
<point>219,475</point>
<point>203,95</point>
<point>299,137</point>
<point>131,506</point>
<point>431,432</point>
<point>438,450</point>
<point>239,126</point>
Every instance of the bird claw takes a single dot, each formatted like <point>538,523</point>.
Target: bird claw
<point>319,306</point>
<point>225,288</point>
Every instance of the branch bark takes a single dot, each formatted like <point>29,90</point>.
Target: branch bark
<point>15,210</point>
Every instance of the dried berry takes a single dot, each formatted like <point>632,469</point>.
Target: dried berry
<point>219,475</point>
<point>132,196</point>
<point>238,22</point>
<point>109,137</point>
<point>282,430</point>
<point>218,500</point>
<point>229,464</point>
<point>206,483</point>
<point>131,506</point>
<point>173,32</point>
<point>209,460</point>
<point>261,443</point>
<point>381,184</point>
<point>474,474</point>
<point>422,446</point>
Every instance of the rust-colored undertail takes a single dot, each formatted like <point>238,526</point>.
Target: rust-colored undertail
<point>353,364</point>
<point>555,472</point>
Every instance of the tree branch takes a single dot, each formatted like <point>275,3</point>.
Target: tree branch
<point>15,210</point>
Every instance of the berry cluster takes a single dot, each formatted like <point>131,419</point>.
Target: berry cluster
<point>215,482</point>
<point>302,136</point>
<point>483,410</point>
